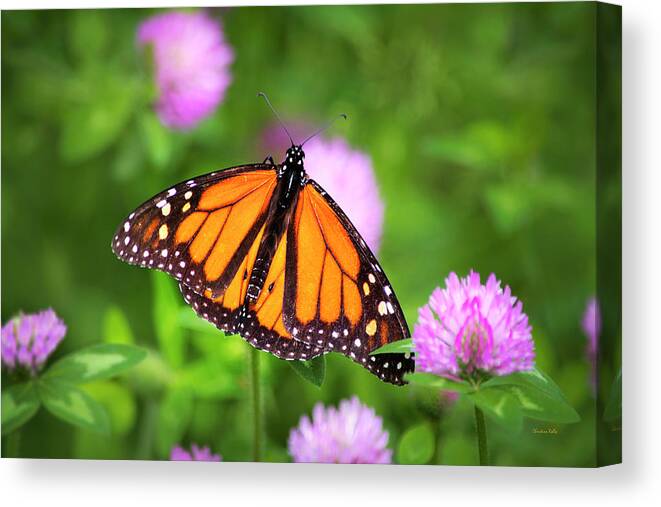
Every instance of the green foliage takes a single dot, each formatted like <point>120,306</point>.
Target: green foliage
<point>56,388</point>
<point>116,328</point>
<point>88,35</point>
<point>440,383</point>
<point>189,320</point>
<point>158,140</point>
<point>19,403</point>
<point>119,403</point>
<point>500,405</point>
<point>537,395</point>
<point>402,346</point>
<point>167,303</point>
<point>95,120</point>
<point>73,405</point>
<point>613,410</point>
<point>484,160</point>
<point>314,370</point>
<point>509,398</point>
<point>95,363</point>
<point>416,447</point>
<point>174,417</point>
<point>209,379</point>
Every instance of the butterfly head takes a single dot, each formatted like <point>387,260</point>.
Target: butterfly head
<point>293,161</point>
<point>295,156</point>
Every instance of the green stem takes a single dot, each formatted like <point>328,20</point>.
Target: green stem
<point>436,425</point>
<point>13,444</point>
<point>256,405</point>
<point>146,431</point>
<point>481,429</point>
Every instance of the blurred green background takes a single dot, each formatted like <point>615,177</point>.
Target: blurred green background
<point>480,120</point>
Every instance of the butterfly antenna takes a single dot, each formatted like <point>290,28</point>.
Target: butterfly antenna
<point>325,127</point>
<point>282,124</point>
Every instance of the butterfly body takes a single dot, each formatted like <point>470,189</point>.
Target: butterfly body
<point>291,179</point>
<point>261,250</point>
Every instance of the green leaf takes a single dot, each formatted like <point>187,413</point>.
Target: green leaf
<point>482,145</point>
<point>534,378</point>
<point>158,140</point>
<point>509,209</point>
<point>416,447</point>
<point>431,380</point>
<point>116,328</point>
<point>96,362</point>
<point>214,345</point>
<point>19,403</point>
<point>210,379</point>
<point>93,119</point>
<point>129,159</point>
<point>539,405</point>
<point>166,314</point>
<point>88,34</point>
<point>118,401</point>
<point>73,405</point>
<point>314,371</point>
<point>514,203</point>
<point>188,318</point>
<point>355,26</point>
<point>500,405</point>
<point>613,410</point>
<point>152,376</point>
<point>400,346</point>
<point>538,396</point>
<point>174,417</point>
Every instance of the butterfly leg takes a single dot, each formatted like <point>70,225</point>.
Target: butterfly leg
<point>270,160</point>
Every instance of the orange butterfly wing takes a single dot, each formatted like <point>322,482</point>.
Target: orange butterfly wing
<point>200,231</point>
<point>263,326</point>
<point>336,295</point>
<point>324,290</point>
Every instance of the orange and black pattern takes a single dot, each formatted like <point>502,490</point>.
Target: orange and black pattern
<point>264,252</point>
<point>337,296</point>
<point>199,231</point>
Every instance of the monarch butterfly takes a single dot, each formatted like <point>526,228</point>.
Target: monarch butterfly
<point>261,250</point>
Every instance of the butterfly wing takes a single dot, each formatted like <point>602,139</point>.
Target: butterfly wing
<point>200,230</point>
<point>324,289</point>
<point>261,324</point>
<point>336,295</point>
<point>272,338</point>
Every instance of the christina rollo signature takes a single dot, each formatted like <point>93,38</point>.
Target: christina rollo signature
<point>551,430</point>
